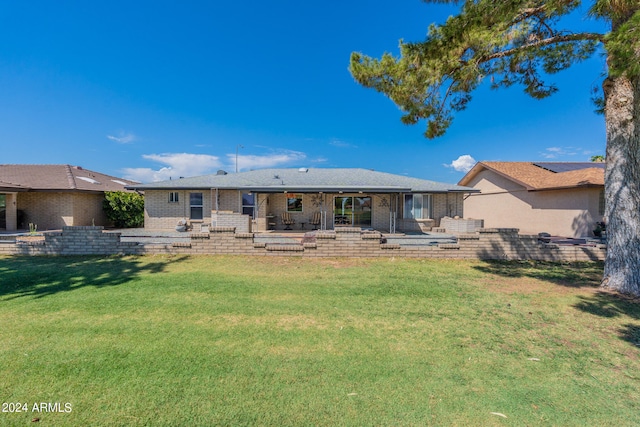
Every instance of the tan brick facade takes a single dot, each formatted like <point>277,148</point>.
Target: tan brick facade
<point>54,210</point>
<point>54,196</point>
<point>161,214</point>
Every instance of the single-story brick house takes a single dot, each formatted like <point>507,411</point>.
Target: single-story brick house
<point>52,196</point>
<point>321,198</point>
<point>559,198</point>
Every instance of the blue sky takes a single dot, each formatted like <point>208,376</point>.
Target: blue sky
<point>152,90</point>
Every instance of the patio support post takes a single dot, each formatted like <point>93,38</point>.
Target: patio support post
<point>11,211</point>
<point>395,215</point>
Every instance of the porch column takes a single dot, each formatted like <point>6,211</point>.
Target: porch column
<point>11,211</point>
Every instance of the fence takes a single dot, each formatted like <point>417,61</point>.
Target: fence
<point>494,243</point>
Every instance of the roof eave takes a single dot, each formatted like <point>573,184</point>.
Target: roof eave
<point>567,187</point>
<point>302,189</point>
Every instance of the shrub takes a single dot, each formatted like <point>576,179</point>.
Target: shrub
<point>125,210</point>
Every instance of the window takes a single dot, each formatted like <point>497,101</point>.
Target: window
<point>601,203</point>
<point>417,206</point>
<point>248,204</point>
<point>195,204</point>
<point>173,197</point>
<point>294,202</point>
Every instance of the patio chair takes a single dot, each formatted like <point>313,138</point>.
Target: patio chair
<point>315,220</point>
<point>287,220</point>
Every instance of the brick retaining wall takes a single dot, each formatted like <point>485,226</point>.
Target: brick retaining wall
<point>505,244</point>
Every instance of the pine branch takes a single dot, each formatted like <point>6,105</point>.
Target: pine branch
<point>545,42</point>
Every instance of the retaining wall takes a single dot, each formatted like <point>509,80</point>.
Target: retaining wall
<point>495,243</point>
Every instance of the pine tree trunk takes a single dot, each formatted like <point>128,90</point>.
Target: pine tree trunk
<point>622,185</point>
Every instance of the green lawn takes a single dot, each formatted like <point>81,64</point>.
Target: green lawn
<point>205,341</point>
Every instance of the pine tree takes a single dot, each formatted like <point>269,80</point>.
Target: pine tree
<point>521,42</point>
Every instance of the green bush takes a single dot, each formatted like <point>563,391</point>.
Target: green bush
<point>125,210</point>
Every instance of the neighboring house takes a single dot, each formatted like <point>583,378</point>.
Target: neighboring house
<point>52,196</point>
<point>563,199</point>
<point>256,200</point>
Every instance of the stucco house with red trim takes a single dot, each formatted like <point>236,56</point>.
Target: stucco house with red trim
<point>559,198</point>
<point>52,196</point>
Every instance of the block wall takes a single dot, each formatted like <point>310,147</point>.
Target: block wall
<point>501,244</point>
<point>241,223</point>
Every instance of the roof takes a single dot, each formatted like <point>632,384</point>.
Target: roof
<point>7,186</point>
<point>58,178</point>
<point>308,180</point>
<point>536,176</point>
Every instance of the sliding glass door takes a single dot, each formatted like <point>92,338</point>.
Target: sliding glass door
<point>352,211</point>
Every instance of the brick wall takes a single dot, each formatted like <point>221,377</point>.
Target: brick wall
<point>505,244</point>
<point>47,210</point>
<point>447,204</point>
<point>161,214</point>
<point>87,209</point>
<point>56,210</point>
<point>461,225</point>
<point>226,219</point>
<point>79,240</point>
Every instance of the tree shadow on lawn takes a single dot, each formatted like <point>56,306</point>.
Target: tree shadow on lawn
<point>572,275</point>
<point>39,277</point>
<point>609,304</point>
<point>577,275</point>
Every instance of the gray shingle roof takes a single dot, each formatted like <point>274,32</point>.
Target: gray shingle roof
<point>58,178</point>
<point>307,180</point>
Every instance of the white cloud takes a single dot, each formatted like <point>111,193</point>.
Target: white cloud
<point>463,163</point>
<point>556,152</point>
<point>341,144</point>
<point>248,161</point>
<point>123,138</point>
<point>177,165</point>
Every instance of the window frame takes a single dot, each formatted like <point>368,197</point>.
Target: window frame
<point>294,196</point>
<point>426,206</point>
<point>174,197</point>
<point>244,208</point>
<point>196,206</point>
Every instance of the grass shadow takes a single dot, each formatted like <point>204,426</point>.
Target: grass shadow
<point>631,334</point>
<point>611,305</point>
<point>39,277</point>
<point>606,304</point>
<point>573,275</point>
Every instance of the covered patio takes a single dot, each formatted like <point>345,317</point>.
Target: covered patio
<point>302,199</point>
